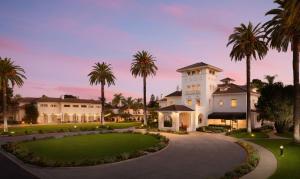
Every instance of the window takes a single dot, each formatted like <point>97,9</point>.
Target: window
<point>167,121</point>
<point>234,103</point>
<point>193,72</point>
<point>200,118</point>
<point>97,106</point>
<point>53,105</point>
<point>211,72</point>
<point>66,105</point>
<point>221,103</point>
<point>83,106</point>
<point>189,73</point>
<point>198,102</point>
<point>90,106</point>
<point>189,102</point>
<point>44,105</point>
<point>75,106</point>
<point>223,121</point>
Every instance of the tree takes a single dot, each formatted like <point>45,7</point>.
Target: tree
<point>257,83</point>
<point>153,102</point>
<point>9,96</point>
<point>102,74</point>
<point>284,30</point>
<point>31,113</point>
<point>143,65</point>
<point>10,75</point>
<point>270,78</point>
<point>128,102</point>
<point>116,101</point>
<point>276,104</point>
<point>248,42</point>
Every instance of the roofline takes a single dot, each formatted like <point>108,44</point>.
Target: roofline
<point>194,68</point>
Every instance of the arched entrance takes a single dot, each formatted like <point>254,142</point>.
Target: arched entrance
<point>184,121</point>
<point>200,119</point>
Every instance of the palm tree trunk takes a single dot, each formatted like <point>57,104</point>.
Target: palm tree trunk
<point>248,95</point>
<point>296,116</point>
<point>102,104</point>
<point>145,107</point>
<point>5,128</point>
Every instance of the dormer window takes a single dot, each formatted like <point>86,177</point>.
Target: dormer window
<point>189,73</point>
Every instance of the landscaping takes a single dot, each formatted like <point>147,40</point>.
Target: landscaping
<point>242,133</point>
<point>288,164</point>
<point>83,150</point>
<point>248,166</point>
<point>67,127</point>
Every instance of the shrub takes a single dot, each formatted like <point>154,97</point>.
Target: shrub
<point>251,163</point>
<point>213,128</point>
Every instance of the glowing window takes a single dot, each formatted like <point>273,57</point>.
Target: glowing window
<point>234,103</point>
<point>221,103</point>
<point>189,102</point>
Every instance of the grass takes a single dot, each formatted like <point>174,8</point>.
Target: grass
<point>288,164</point>
<point>254,135</point>
<point>33,129</point>
<point>285,134</point>
<point>84,149</point>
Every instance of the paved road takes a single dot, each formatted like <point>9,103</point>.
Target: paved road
<point>195,155</point>
<point>10,170</point>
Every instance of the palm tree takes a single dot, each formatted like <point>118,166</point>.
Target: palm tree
<point>270,79</point>
<point>143,65</point>
<point>248,42</point>
<point>102,74</point>
<point>117,99</point>
<point>10,74</point>
<point>284,30</point>
<point>128,102</point>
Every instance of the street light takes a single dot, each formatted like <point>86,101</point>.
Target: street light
<point>281,150</point>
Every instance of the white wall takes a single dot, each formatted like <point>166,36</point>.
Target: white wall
<point>226,98</point>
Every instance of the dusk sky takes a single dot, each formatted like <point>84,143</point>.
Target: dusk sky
<point>57,42</point>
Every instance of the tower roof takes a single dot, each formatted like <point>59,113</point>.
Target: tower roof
<point>198,65</point>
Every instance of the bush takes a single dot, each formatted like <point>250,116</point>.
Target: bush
<point>251,163</point>
<point>213,128</point>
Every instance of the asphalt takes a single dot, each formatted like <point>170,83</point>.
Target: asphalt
<point>10,170</point>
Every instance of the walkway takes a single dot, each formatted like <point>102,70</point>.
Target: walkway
<point>196,155</point>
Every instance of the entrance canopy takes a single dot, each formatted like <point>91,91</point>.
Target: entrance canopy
<point>227,115</point>
<point>175,108</point>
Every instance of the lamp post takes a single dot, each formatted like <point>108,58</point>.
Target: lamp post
<point>281,150</point>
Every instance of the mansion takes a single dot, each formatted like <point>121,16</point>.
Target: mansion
<point>61,110</point>
<point>202,101</point>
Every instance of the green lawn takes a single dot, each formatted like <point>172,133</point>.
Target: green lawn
<point>85,149</point>
<point>288,164</point>
<point>247,135</point>
<point>286,134</point>
<point>31,129</point>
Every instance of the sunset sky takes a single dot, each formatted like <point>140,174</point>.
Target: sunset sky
<point>58,41</point>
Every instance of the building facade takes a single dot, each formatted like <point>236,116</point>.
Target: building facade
<point>202,101</point>
<point>62,110</point>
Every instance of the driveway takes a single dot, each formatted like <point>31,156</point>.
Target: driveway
<point>196,155</point>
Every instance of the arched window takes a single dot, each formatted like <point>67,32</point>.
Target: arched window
<point>167,121</point>
<point>200,118</point>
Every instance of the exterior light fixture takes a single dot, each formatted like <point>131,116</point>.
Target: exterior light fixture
<point>12,132</point>
<point>155,120</point>
<point>252,135</point>
<point>229,130</point>
<point>75,127</point>
<point>97,127</point>
<point>281,150</point>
